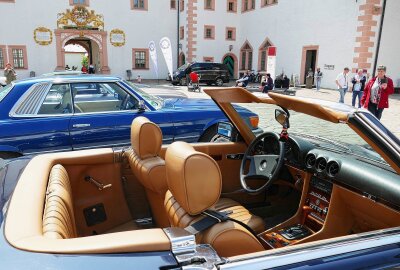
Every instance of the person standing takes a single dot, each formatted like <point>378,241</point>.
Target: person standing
<point>9,73</point>
<point>376,93</point>
<point>342,82</point>
<point>318,78</point>
<point>358,87</point>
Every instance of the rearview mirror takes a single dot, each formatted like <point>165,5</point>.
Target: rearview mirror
<point>282,118</point>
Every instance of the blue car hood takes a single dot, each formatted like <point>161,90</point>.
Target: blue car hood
<point>193,103</point>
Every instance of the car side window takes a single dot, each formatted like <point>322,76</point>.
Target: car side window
<point>57,101</point>
<point>101,97</point>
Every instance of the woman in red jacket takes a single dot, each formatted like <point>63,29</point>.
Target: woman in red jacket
<point>376,93</point>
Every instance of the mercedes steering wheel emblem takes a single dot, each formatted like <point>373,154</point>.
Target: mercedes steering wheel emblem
<point>263,165</point>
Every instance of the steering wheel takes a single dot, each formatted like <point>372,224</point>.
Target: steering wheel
<point>264,167</point>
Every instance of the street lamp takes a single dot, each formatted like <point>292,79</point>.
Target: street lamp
<point>230,47</point>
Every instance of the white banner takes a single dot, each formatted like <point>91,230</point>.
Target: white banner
<point>153,56</point>
<point>165,45</point>
<point>271,64</point>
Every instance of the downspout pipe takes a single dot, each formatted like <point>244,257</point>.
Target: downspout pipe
<point>378,45</point>
<point>177,36</point>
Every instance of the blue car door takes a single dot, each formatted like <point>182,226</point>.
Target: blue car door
<point>40,120</point>
<point>103,113</point>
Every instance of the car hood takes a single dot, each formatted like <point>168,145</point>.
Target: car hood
<point>194,103</point>
<point>164,93</point>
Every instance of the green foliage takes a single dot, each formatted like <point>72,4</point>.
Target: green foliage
<point>85,61</point>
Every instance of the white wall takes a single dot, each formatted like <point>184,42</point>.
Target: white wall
<point>19,20</point>
<point>389,50</point>
<point>74,59</point>
<point>221,19</point>
<point>290,25</point>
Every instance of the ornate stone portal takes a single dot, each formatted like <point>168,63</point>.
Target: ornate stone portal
<point>81,23</point>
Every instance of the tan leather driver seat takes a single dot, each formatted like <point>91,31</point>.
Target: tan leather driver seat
<point>148,167</point>
<point>194,183</point>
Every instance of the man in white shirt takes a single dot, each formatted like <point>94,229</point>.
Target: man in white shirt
<point>342,82</point>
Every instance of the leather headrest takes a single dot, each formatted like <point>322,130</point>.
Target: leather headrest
<point>146,137</point>
<point>194,178</point>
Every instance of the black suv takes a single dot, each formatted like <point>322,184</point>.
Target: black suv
<point>209,73</point>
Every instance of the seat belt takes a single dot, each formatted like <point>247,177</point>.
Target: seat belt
<point>212,217</point>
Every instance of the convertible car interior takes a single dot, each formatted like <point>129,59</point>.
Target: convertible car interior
<point>129,200</point>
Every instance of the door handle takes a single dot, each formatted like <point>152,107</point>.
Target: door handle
<point>80,125</point>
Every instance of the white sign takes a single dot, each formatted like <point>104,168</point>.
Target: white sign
<point>153,56</point>
<point>165,45</point>
<point>271,65</point>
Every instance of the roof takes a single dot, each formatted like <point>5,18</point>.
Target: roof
<point>68,78</point>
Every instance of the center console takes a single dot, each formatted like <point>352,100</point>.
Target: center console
<point>311,220</point>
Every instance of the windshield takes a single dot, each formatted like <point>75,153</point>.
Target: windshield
<point>154,101</point>
<point>4,91</point>
<point>336,137</point>
<point>183,67</point>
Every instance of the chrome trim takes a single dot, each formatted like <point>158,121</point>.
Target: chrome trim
<point>80,125</point>
<point>188,254</point>
<point>185,137</point>
<point>41,115</point>
<point>48,151</point>
<point>371,126</point>
<point>316,250</point>
<point>112,145</point>
<point>181,240</point>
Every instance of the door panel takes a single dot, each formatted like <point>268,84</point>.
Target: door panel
<point>104,113</point>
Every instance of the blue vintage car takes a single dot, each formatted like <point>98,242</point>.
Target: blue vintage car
<point>318,189</point>
<point>59,113</point>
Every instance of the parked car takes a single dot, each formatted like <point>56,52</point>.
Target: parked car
<point>209,73</point>
<point>58,113</point>
<point>319,189</point>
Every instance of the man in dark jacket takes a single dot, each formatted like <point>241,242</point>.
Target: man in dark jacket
<point>376,93</point>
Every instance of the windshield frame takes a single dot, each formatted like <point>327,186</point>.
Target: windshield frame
<point>149,98</point>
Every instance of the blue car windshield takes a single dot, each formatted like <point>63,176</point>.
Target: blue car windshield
<point>154,101</point>
<point>4,91</point>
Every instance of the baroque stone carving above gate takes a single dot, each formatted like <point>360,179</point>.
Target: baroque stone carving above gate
<point>80,18</point>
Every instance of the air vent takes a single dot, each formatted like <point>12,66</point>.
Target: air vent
<point>310,161</point>
<point>321,164</point>
<point>333,168</point>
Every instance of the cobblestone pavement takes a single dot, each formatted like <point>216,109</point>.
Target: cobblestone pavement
<point>390,117</point>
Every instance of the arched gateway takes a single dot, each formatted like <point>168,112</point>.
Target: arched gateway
<point>81,25</point>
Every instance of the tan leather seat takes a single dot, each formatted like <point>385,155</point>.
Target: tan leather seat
<point>148,167</point>
<point>58,214</point>
<point>194,183</point>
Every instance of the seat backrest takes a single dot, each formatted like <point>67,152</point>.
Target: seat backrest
<point>147,166</point>
<point>58,214</point>
<point>194,185</point>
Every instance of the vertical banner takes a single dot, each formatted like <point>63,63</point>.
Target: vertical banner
<point>153,56</point>
<point>271,61</point>
<point>165,45</point>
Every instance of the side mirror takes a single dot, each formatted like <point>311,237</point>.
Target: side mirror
<point>282,118</point>
<point>141,106</point>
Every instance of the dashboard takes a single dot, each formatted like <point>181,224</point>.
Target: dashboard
<point>349,171</point>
